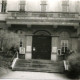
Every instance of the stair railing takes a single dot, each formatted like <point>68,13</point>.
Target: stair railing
<point>14,62</point>
<point>15,56</point>
<point>66,65</point>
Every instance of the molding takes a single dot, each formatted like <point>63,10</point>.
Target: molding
<point>74,37</point>
<point>55,26</point>
<point>54,36</point>
<point>28,26</point>
<point>29,35</point>
<point>76,27</point>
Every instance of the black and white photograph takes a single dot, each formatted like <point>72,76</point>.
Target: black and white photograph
<point>39,39</point>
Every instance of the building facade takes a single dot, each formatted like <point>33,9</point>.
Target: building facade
<point>46,31</point>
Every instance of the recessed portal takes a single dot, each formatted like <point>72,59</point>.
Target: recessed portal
<point>41,47</point>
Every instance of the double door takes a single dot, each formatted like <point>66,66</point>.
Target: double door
<point>41,48</point>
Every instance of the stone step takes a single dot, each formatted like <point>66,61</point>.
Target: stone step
<point>38,62</point>
<point>38,65</point>
<point>39,69</point>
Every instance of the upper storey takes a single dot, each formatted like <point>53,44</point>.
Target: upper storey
<point>43,18</point>
<point>47,12</point>
<point>40,5</point>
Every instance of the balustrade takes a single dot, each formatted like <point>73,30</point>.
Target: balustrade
<point>24,15</point>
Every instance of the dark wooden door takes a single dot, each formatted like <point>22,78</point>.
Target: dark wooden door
<point>41,47</point>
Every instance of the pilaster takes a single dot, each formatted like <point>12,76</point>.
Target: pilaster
<point>28,54</point>
<point>54,48</point>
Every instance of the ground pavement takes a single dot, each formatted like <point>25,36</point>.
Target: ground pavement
<point>24,75</point>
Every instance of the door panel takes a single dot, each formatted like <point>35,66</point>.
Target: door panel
<point>41,47</point>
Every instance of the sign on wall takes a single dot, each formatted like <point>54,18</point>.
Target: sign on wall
<point>54,49</point>
<point>28,48</point>
<point>22,50</point>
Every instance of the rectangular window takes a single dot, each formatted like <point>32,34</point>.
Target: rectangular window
<point>65,5</point>
<point>3,7</point>
<point>22,5</point>
<point>43,6</point>
<point>64,46</point>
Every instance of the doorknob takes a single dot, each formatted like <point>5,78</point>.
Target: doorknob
<point>34,49</point>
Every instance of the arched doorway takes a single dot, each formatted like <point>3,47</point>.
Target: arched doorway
<point>41,47</point>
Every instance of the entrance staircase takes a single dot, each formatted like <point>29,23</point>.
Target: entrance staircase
<point>38,65</point>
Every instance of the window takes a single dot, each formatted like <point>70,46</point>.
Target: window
<point>43,6</point>
<point>64,42</point>
<point>4,3</point>
<point>65,5</point>
<point>22,5</point>
<point>64,46</point>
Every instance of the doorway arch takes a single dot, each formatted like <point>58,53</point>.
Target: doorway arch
<point>42,32</point>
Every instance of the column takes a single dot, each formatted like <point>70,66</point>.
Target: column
<point>74,44</point>
<point>79,44</point>
<point>78,33</point>
<point>54,48</point>
<point>28,54</point>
